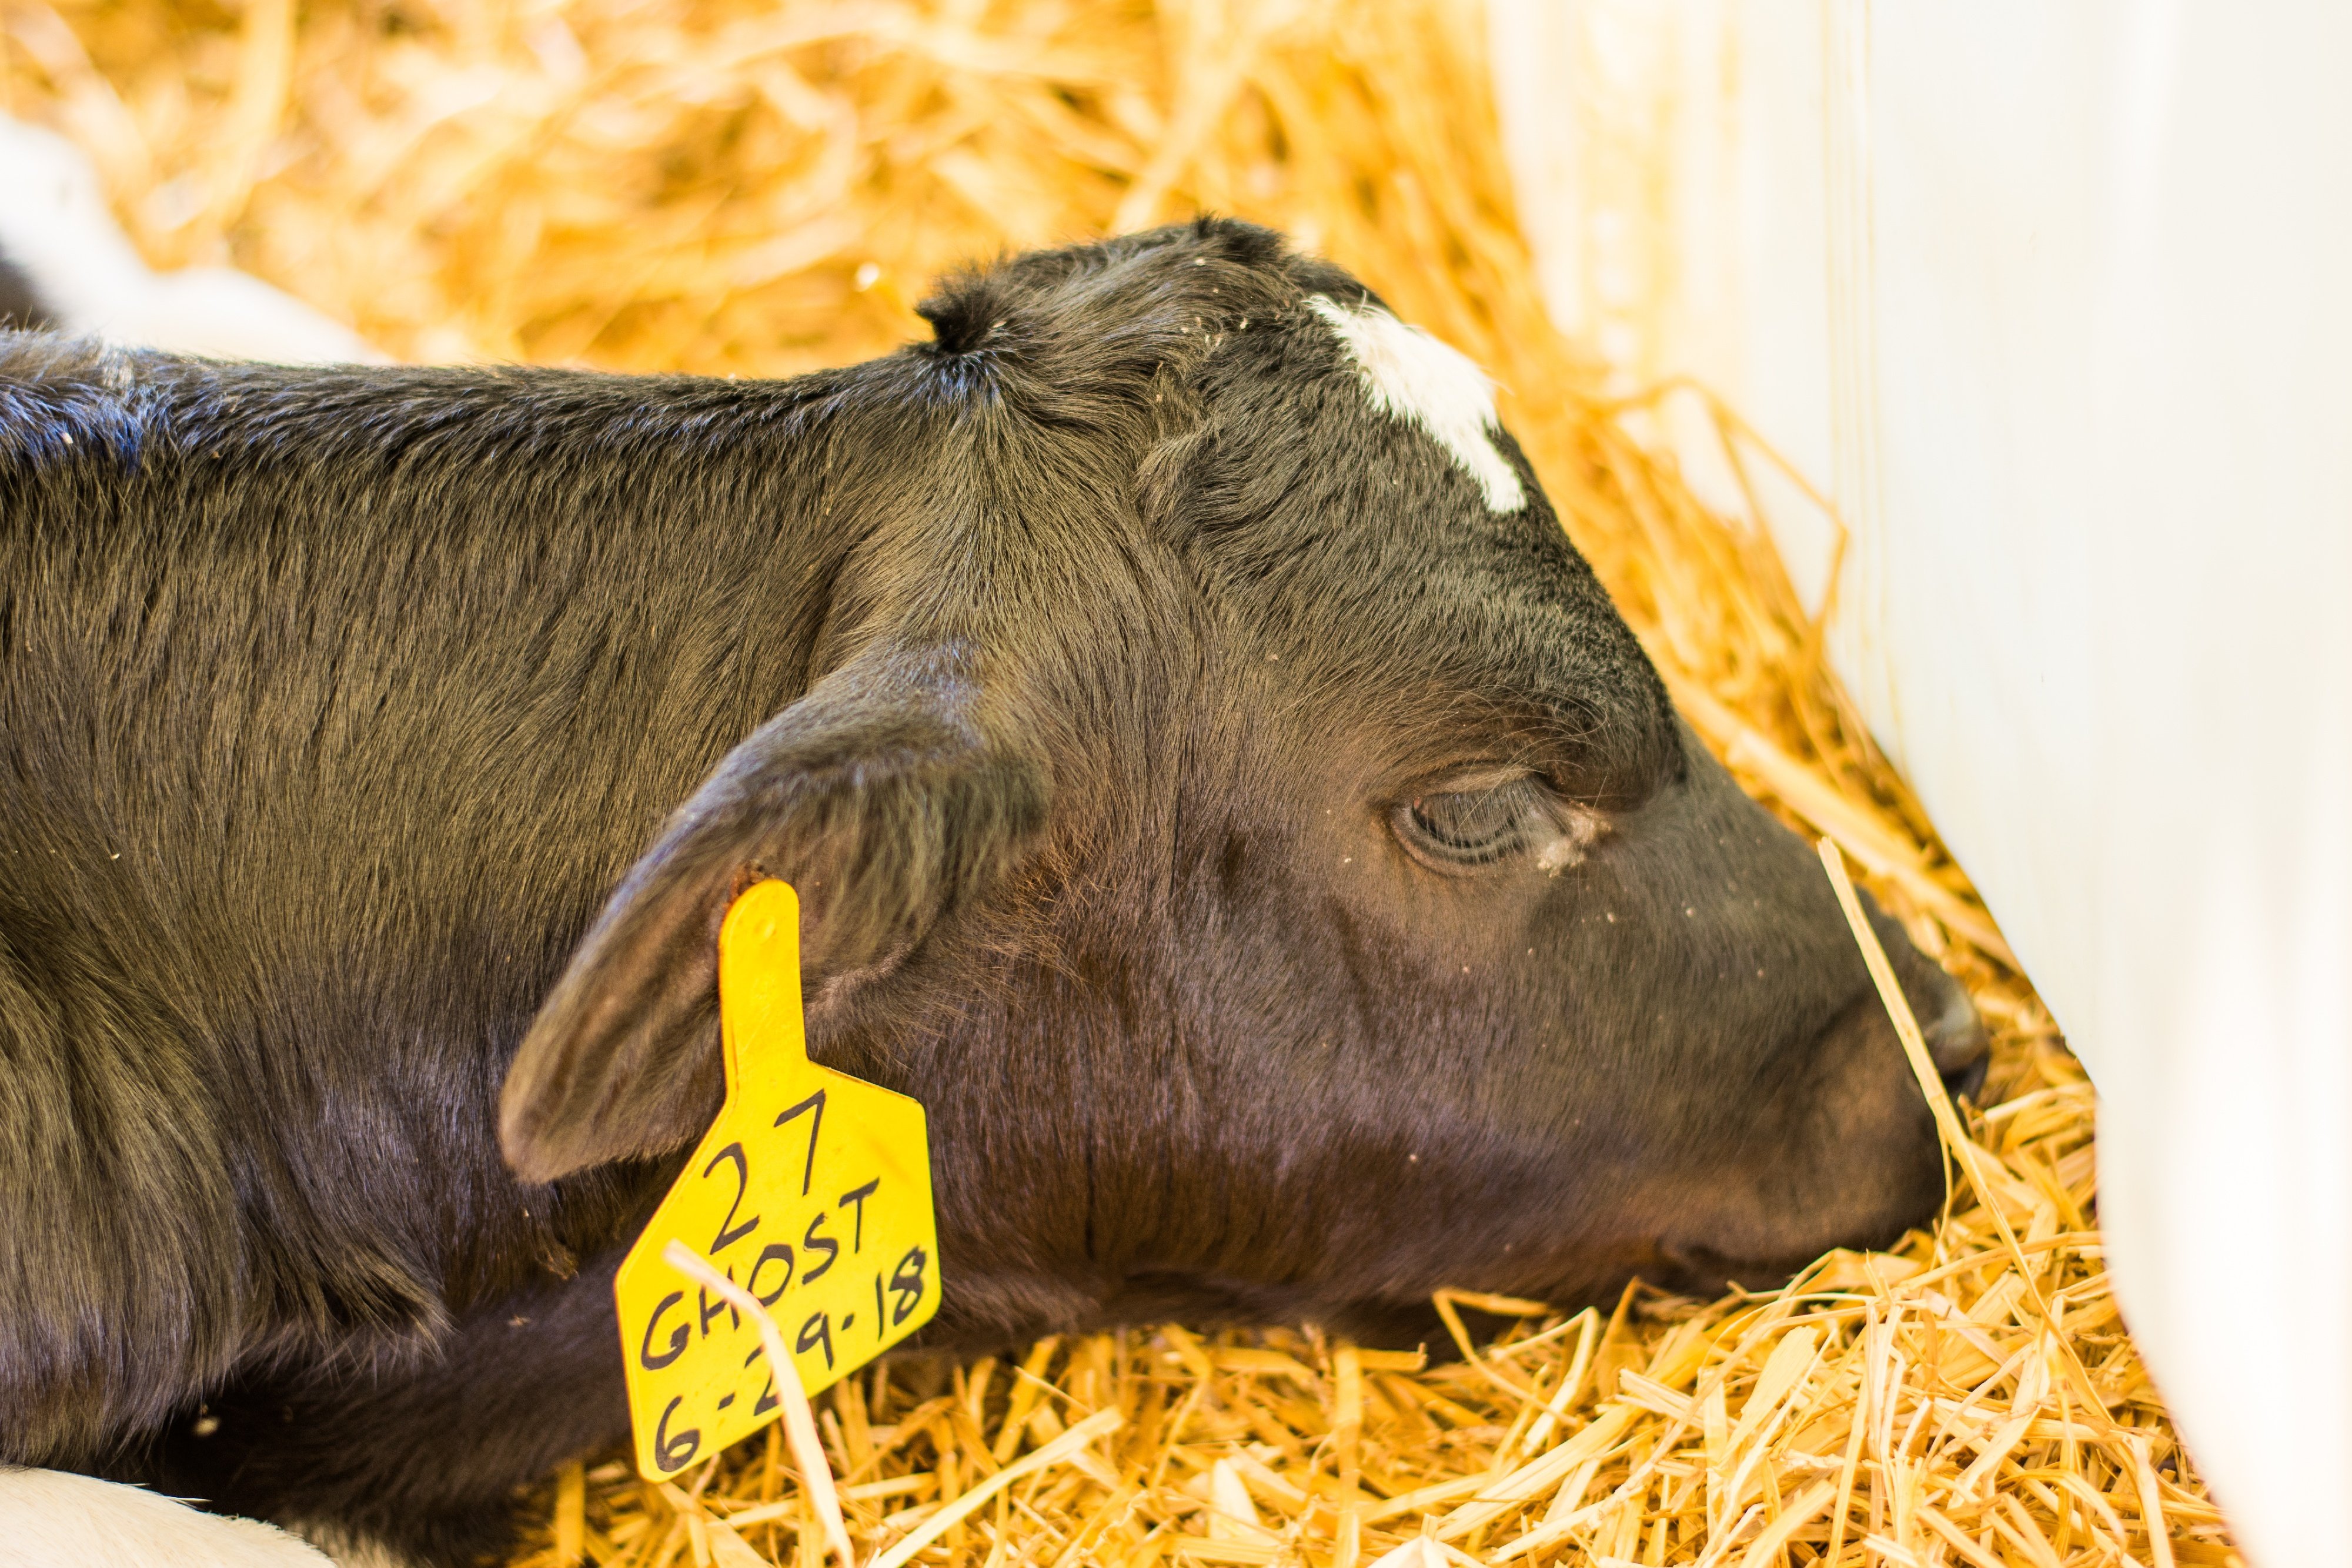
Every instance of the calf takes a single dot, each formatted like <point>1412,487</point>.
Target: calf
<point>1215,787</point>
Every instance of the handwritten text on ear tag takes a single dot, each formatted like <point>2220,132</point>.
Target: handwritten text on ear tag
<point>812,1190</point>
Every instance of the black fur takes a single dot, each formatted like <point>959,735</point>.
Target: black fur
<point>375,742</point>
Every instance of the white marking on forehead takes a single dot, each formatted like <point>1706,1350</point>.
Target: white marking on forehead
<point>1410,375</point>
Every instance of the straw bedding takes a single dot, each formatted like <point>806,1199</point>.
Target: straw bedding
<point>721,186</point>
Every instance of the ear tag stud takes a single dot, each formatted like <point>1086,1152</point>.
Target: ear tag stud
<point>812,1191</point>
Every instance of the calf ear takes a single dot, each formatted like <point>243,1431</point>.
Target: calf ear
<point>883,805</point>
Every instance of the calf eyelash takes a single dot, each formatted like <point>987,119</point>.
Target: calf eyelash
<point>1468,829</point>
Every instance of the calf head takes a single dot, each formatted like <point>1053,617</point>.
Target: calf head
<point>1225,798</point>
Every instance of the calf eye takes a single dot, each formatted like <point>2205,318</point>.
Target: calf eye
<point>1475,827</point>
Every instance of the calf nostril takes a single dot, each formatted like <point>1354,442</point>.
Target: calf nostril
<point>1958,1044</point>
<point>1964,1082</point>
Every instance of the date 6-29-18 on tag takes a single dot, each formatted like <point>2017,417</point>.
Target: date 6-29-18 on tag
<point>812,1190</point>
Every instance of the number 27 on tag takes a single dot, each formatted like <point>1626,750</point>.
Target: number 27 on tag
<point>812,1190</point>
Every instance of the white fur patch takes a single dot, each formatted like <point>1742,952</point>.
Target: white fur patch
<point>49,1519</point>
<point>1410,375</point>
<point>1580,829</point>
<point>346,1551</point>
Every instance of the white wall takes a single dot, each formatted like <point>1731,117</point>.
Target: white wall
<point>2055,301</point>
<point>55,226</point>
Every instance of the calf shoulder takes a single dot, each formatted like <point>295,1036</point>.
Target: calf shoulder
<point>331,706</point>
<point>115,1297</point>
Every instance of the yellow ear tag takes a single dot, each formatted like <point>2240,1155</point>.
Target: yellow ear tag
<point>812,1190</point>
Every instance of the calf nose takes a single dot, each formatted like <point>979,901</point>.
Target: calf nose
<point>1955,1039</point>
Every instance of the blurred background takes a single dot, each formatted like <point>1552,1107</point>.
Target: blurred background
<point>730,188</point>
